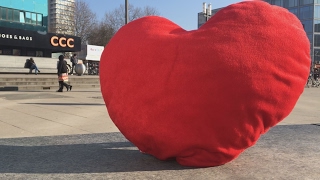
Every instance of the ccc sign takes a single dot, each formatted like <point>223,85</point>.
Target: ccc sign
<point>62,41</point>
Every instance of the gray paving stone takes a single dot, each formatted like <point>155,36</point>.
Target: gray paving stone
<point>69,135</point>
<point>285,152</point>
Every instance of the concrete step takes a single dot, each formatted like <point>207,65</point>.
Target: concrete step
<point>20,83</point>
<point>23,82</point>
<point>46,87</point>
<point>51,78</point>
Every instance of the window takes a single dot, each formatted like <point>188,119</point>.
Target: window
<point>28,17</point>
<point>16,15</point>
<point>9,14</point>
<point>39,53</point>
<point>3,13</point>
<point>294,11</point>
<point>317,26</point>
<point>39,19</point>
<point>31,53</point>
<point>304,2</point>
<point>308,26</point>
<point>22,18</point>
<point>6,52</point>
<point>306,12</point>
<point>317,1</point>
<point>317,12</point>
<point>16,52</point>
<point>317,40</point>
<point>290,3</point>
<point>34,18</point>
<point>316,54</point>
<point>278,2</point>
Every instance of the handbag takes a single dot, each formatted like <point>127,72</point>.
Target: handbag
<point>63,77</point>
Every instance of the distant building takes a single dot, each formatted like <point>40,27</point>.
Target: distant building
<point>203,19</point>
<point>24,29</point>
<point>61,16</point>
<point>24,14</point>
<point>307,11</point>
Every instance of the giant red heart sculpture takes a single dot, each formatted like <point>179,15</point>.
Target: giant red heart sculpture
<point>204,96</point>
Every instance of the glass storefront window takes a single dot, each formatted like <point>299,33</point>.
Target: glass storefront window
<point>39,19</point>
<point>317,1</point>
<point>290,3</point>
<point>3,13</point>
<point>22,19</point>
<point>31,53</point>
<point>308,26</point>
<point>16,15</point>
<point>304,2</point>
<point>6,52</point>
<point>39,53</point>
<point>34,18</point>
<point>9,14</point>
<point>28,17</point>
<point>16,52</point>
<point>306,12</point>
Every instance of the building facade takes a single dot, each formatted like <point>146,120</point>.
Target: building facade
<point>307,11</point>
<point>27,15</point>
<point>24,30</point>
<point>61,16</point>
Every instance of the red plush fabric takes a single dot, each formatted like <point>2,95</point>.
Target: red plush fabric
<point>204,96</point>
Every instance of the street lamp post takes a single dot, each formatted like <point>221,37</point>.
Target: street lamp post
<point>126,12</point>
<point>206,11</point>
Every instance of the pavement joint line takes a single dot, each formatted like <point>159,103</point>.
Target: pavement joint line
<point>51,120</point>
<point>18,127</point>
<point>39,106</point>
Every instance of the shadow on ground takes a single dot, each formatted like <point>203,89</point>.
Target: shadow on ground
<point>51,155</point>
<point>285,151</point>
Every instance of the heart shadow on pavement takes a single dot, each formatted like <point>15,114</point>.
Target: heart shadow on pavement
<point>76,154</point>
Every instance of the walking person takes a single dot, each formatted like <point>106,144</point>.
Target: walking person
<point>74,61</point>
<point>33,66</point>
<point>63,74</point>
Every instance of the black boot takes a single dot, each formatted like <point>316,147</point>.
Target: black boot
<point>60,86</point>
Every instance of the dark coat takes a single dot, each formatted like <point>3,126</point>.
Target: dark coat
<point>62,67</point>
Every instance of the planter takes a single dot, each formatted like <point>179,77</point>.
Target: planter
<point>80,69</point>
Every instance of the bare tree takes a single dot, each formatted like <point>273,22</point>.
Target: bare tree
<point>101,33</point>
<point>116,18</point>
<point>85,19</point>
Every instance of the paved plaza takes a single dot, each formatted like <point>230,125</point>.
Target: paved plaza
<point>69,135</point>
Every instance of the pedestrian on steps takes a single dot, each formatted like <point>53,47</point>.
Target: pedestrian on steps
<point>63,74</point>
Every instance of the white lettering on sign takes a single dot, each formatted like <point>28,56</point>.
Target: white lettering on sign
<point>16,37</point>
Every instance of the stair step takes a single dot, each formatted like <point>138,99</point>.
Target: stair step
<point>32,82</point>
<point>49,87</point>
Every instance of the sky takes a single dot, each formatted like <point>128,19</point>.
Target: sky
<point>182,12</point>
